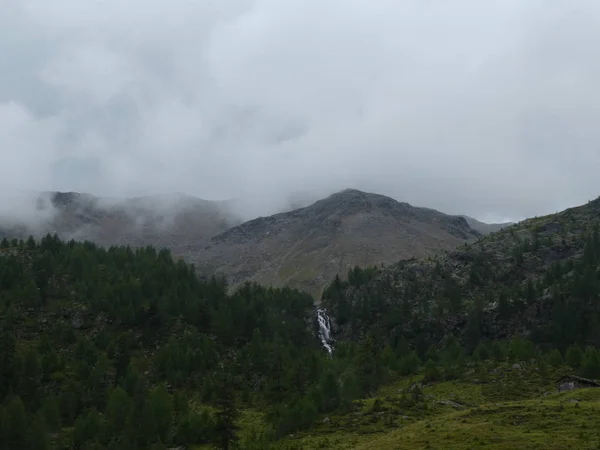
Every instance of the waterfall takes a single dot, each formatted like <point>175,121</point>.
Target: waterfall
<point>324,329</point>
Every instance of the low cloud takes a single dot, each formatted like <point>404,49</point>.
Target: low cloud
<point>484,108</point>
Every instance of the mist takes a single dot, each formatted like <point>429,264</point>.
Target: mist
<point>488,109</point>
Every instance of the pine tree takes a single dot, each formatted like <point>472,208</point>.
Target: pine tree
<point>482,352</point>
<point>16,423</point>
<point>555,358</point>
<point>330,392</point>
<point>367,364</point>
<point>574,356</point>
<point>409,364</point>
<point>389,358</point>
<point>226,428</point>
<point>37,434</point>
<point>432,372</point>
<point>590,363</point>
<point>498,351</point>
<point>118,410</point>
<point>51,413</point>
<point>350,389</point>
<point>88,428</point>
<point>472,332</point>
<point>7,353</point>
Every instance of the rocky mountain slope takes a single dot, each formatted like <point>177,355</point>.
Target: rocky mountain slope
<point>307,247</point>
<point>304,247</point>
<point>540,278</point>
<point>161,221</point>
<point>486,228</point>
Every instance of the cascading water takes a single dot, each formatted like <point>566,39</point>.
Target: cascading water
<point>325,329</point>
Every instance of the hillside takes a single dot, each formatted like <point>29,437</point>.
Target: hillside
<point>162,221</point>
<point>307,247</point>
<point>130,350</point>
<point>486,228</point>
<point>539,278</point>
<point>304,247</point>
<point>123,349</point>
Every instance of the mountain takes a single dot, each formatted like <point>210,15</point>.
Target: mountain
<point>304,247</point>
<point>539,278</point>
<point>162,221</point>
<point>307,247</point>
<point>486,228</point>
<point>494,344</point>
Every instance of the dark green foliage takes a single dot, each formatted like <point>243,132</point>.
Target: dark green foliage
<point>88,427</point>
<point>574,356</point>
<point>350,389</point>
<point>498,351</point>
<point>104,331</point>
<point>299,415</point>
<point>520,349</point>
<point>329,392</point>
<point>555,358</point>
<point>193,428</point>
<point>367,364</point>
<point>37,434</point>
<point>590,363</point>
<point>14,424</point>
<point>528,281</point>
<point>120,348</point>
<point>226,428</point>
<point>432,373</point>
<point>409,364</point>
<point>482,352</point>
<point>119,411</point>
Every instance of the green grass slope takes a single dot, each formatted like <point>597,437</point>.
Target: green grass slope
<point>509,408</point>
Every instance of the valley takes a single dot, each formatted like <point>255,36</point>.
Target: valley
<point>124,348</point>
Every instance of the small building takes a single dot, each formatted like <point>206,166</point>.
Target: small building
<point>570,382</point>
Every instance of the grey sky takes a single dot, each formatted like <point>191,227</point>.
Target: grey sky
<point>488,108</point>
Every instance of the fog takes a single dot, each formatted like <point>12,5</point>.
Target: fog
<point>489,109</point>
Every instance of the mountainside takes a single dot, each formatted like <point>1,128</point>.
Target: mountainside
<point>492,344</point>
<point>540,278</point>
<point>307,247</point>
<point>161,221</point>
<point>304,248</point>
<point>486,228</point>
<point>126,350</point>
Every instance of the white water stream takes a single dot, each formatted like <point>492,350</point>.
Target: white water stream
<point>325,330</point>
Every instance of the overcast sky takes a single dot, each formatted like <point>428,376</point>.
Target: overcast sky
<point>489,108</point>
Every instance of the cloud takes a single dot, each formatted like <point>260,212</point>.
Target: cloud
<point>483,108</point>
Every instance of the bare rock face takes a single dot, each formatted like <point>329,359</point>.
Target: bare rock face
<point>303,248</point>
<point>307,247</point>
<point>486,228</point>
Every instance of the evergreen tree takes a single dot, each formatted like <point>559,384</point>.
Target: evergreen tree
<point>88,428</point>
<point>118,411</point>
<point>51,413</point>
<point>555,358</point>
<point>432,372</point>
<point>482,352</point>
<point>409,364</point>
<point>590,363</point>
<point>498,351</point>
<point>350,389</point>
<point>16,424</point>
<point>574,356</point>
<point>226,427</point>
<point>329,392</point>
<point>37,434</point>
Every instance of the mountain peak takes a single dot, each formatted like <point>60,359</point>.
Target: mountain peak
<point>351,201</point>
<point>307,247</point>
